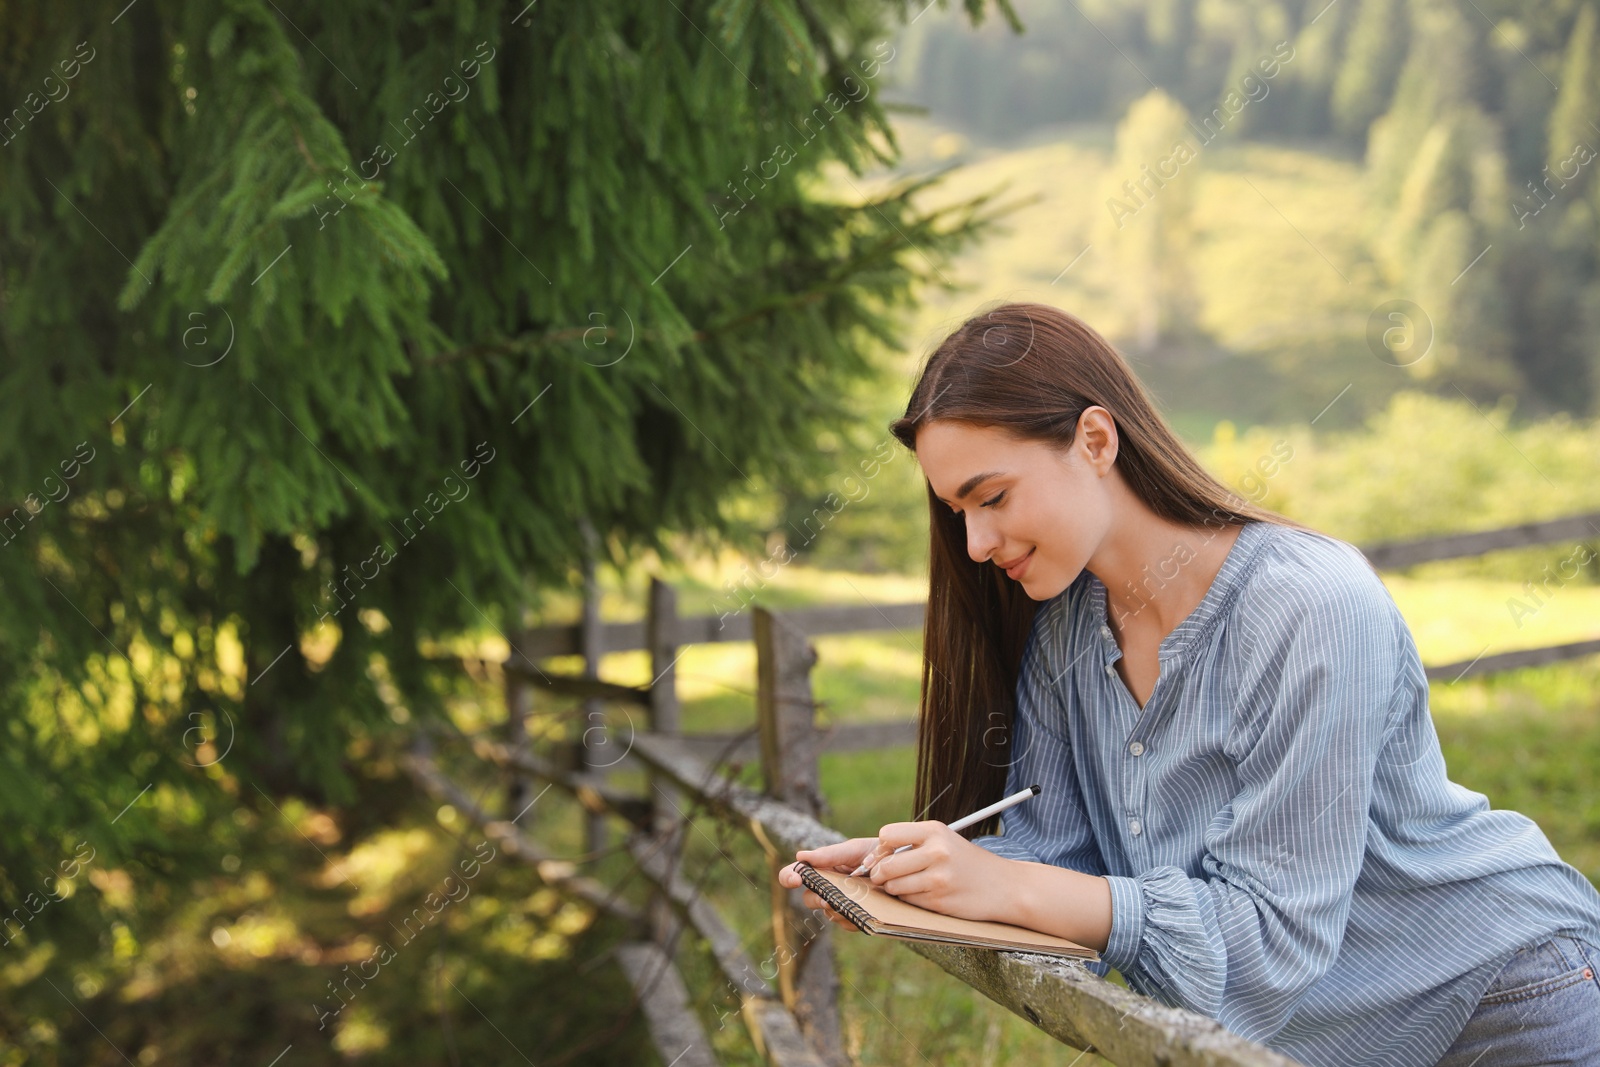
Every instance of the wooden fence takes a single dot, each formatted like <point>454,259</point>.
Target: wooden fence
<point>795,1022</point>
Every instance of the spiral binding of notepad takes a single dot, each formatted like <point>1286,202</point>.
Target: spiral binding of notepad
<point>835,898</point>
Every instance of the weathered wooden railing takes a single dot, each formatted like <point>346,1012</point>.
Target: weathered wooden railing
<point>1062,997</point>
<point>796,1021</point>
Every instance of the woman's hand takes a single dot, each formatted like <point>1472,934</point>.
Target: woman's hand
<point>843,857</point>
<point>944,872</point>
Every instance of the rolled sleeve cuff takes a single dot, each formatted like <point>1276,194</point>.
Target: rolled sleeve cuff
<point>1127,923</point>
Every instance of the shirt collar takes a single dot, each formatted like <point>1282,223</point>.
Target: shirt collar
<point>1235,567</point>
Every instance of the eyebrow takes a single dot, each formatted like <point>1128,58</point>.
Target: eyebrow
<point>972,483</point>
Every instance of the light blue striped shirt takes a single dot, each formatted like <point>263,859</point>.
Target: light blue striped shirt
<point>1285,851</point>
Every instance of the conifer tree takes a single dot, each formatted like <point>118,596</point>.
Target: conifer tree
<point>1375,50</point>
<point>1572,120</point>
<point>1437,79</point>
<point>1308,83</point>
<point>326,329</point>
<point>1170,26</point>
<point>1510,324</point>
<point>1149,193</point>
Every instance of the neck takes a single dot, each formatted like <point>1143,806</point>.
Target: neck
<point>1155,570</point>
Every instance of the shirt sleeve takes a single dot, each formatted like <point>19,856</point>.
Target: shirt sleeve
<point>1052,827</point>
<point>1246,942</point>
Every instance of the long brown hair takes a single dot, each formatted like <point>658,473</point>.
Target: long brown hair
<point>1030,370</point>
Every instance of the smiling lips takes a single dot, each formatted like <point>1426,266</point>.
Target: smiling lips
<point>1015,567</point>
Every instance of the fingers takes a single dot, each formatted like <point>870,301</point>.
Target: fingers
<point>870,860</point>
<point>910,885</point>
<point>932,852</point>
<point>845,854</point>
<point>892,867</point>
<point>895,834</point>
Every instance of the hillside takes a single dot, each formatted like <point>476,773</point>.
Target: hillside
<point>1280,264</point>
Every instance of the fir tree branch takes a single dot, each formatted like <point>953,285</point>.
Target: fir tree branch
<point>842,276</point>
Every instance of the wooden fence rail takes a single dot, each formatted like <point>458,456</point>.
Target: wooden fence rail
<point>679,630</point>
<point>1393,555</point>
<point>1062,997</point>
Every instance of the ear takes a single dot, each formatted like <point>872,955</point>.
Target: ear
<point>1097,438</point>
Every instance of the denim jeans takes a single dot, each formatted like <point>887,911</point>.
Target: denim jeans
<point>1543,1008</point>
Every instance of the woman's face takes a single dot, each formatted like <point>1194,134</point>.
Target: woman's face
<point>1035,510</point>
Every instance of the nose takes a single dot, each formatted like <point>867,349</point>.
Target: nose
<point>982,539</point>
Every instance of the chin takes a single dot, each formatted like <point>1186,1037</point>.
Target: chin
<point>1038,589</point>
<point>1044,586</point>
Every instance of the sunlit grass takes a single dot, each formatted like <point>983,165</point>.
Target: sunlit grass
<point>1455,620</point>
<point>310,925</point>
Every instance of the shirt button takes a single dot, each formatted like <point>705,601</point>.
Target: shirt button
<point>1111,668</point>
<point>1134,828</point>
<point>1137,748</point>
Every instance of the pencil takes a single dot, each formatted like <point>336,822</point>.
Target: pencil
<point>960,824</point>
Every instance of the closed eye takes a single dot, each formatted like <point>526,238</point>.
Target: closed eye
<point>994,499</point>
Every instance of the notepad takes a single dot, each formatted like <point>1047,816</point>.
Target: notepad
<point>875,911</point>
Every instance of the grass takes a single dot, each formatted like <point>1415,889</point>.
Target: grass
<point>233,972</point>
<point>1530,741</point>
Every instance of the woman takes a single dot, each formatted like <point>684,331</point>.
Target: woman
<point>1244,805</point>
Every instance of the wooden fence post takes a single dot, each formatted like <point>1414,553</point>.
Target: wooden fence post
<point>661,634</point>
<point>661,624</point>
<point>790,745</point>
<point>592,740</point>
<point>519,705</point>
